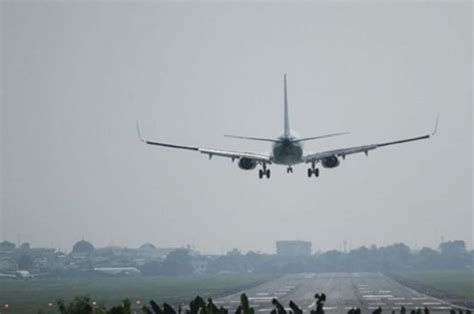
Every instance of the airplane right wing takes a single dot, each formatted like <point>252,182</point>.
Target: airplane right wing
<point>260,158</point>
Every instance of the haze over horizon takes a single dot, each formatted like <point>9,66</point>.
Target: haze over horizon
<point>76,77</point>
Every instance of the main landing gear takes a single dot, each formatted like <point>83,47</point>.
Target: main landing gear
<point>313,170</point>
<point>264,172</point>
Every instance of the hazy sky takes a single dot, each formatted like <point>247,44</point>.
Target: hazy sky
<point>76,77</point>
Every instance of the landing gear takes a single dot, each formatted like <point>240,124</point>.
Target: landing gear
<point>289,169</point>
<point>313,170</point>
<point>264,172</point>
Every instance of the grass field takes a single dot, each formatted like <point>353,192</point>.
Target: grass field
<point>458,284</point>
<point>28,296</point>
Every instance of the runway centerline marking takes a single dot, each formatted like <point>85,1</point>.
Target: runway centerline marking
<point>377,296</point>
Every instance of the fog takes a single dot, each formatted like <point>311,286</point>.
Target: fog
<point>75,77</point>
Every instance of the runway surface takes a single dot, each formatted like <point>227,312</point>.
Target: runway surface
<point>367,291</point>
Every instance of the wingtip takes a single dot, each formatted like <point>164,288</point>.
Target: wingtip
<point>435,130</point>
<point>138,132</point>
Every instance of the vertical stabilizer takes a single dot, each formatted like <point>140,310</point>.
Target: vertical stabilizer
<point>287,118</point>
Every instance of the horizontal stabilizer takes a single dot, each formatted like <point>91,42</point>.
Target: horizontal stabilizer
<point>318,137</point>
<point>252,138</point>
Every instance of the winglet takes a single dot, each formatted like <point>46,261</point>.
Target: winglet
<point>436,125</point>
<point>138,132</point>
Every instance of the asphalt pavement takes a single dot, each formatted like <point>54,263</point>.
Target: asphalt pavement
<point>344,291</point>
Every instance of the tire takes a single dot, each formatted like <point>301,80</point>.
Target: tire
<point>260,173</point>
<point>310,172</point>
<point>268,174</point>
<point>316,172</point>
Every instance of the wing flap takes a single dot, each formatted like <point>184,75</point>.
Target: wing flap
<point>236,155</point>
<point>343,152</point>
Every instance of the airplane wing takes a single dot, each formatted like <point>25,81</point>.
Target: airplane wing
<point>343,152</point>
<point>261,158</point>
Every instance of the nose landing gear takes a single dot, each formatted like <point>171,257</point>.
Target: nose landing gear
<point>289,169</point>
<point>313,170</point>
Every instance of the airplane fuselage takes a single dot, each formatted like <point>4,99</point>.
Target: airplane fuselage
<point>286,151</point>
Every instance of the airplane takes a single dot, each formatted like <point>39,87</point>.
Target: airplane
<point>21,274</point>
<point>287,149</point>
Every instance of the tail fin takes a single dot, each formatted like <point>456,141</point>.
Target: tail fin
<point>287,118</point>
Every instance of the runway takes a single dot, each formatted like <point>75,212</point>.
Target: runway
<point>368,291</point>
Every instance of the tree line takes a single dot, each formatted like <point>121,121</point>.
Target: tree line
<point>452,255</point>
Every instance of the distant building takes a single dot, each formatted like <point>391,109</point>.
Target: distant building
<point>82,247</point>
<point>293,248</point>
<point>7,257</point>
<point>147,247</point>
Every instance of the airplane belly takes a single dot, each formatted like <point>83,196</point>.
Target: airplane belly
<point>287,154</point>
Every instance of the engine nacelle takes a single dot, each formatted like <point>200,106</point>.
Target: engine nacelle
<point>247,164</point>
<point>330,162</point>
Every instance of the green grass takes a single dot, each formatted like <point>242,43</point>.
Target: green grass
<point>28,296</point>
<point>455,283</point>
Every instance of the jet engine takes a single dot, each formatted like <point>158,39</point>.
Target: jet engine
<point>330,162</point>
<point>247,163</point>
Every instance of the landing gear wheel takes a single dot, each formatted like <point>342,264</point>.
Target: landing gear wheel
<point>316,172</point>
<point>289,170</point>
<point>268,174</point>
<point>260,173</point>
<point>310,172</point>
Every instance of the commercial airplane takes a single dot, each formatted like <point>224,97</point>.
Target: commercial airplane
<point>287,149</point>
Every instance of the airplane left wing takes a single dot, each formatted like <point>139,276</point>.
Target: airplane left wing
<point>260,158</point>
<point>343,152</point>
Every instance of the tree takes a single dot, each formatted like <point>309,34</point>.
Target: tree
<point>80,305</point>
<point>177,263</point>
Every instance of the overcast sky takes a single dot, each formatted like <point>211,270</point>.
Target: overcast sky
<point>76,77</point>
